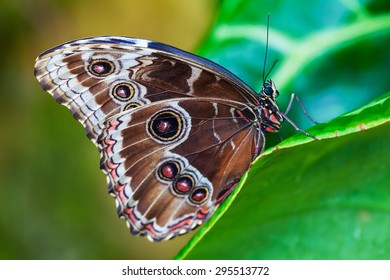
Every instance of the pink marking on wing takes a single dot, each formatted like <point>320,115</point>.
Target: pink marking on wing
<point>110,144</point>
<point>112,166</point>
<point>362,127</point>
<point>130,214</point>
<point>151,229</point>
<point>120,192</point>
<point>181,224</point>
<point>202,213</point>
<point>113,125</point>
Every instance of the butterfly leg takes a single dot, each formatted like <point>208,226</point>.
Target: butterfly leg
<point>294,96</point>
<point>297,128</point>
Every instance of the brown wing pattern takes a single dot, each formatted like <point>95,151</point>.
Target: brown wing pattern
<point>174,133</point>
<point>210,150</point>
<point>96,81</point>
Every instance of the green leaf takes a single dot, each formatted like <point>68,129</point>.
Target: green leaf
<point>324,199</point>
<point>305,199</point>
<point>332,54</point>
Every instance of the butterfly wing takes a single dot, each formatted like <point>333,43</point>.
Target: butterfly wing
<point>170,163</point>
<point>175,131</point>
<point>101,76</point>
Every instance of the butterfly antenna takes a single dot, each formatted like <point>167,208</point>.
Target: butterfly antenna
<point>266,51</point>
<point>265,75</point>
<point>272,68</point>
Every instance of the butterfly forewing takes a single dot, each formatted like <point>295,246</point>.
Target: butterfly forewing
<point>175,131</point>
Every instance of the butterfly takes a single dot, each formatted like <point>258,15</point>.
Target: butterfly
<point>176,132</point>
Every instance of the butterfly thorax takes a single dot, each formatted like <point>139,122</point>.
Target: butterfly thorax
<point>268,111</point>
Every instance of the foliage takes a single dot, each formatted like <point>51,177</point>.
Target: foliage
<point>304,199</point>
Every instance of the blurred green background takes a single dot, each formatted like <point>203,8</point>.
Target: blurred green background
<point>54,202</point>
<point>53,195</point>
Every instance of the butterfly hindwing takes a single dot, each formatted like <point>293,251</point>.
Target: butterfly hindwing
<point>170,163</point>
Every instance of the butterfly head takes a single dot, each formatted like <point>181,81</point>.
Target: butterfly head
<point>270,115</point>
<point>269,90</point>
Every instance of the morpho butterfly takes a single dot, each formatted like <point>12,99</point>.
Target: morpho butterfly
<point>175,131</point>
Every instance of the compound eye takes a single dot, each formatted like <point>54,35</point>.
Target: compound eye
<point>268,90</point>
